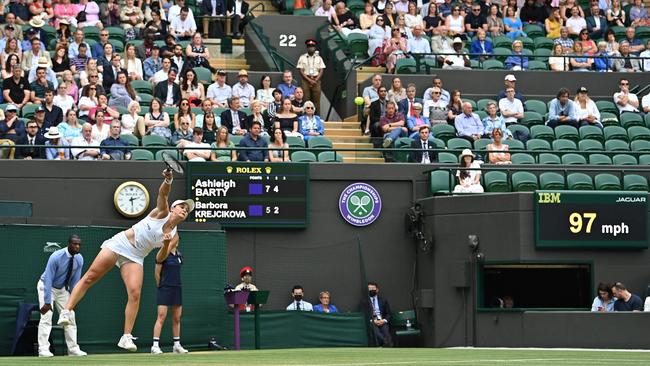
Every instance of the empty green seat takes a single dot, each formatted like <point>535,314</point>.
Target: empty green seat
<point>543,42</point>
<point>640,145</point>
<point>524,182</point>
<point>132,140</point>
<point>646,119</point>
<point>567,132</point>
<point>458,144</point>
<point>564,145</point>
<point>330,157</point>
<point>441,182</point>
<point>492,65</point>
<point>549,158</point>
<point>551,180</point>
<point>303,157</point>
<point>154,140</point>
<point>638,133</point>
<point>438,142</point>
<point>319,142</point>
<point>404,65</point>
<point>634,182</point>
<point>358,46</point>
<point>644,159</point>
<point>141,154</point>
<point>590,133</point>
<point>443,131</point>
<point>142,86</point>
<point>522,158</point>
<point>514,144</point>
<point>496,181</point>
<point>481,144</point>
<point>536,144</point>
<point>606,106</point>
<point>402,143</point>
<point>537,65</point>
<point>615,133</point>
<point>628,120</point>
<point>534,31</point>
<point>616,145</point>
<point>590,145</point>
<point>542,54</point>
<point>599,159</point>
<point>607,182</point>
<point>203,74</point>
<point>624,159</point>
<point>532,118</point>
<point>502,41</point>
<point>542,132</point>
<point>295,141</point>
<point>579,181</point>
<point>573,159</point>
<point>448,158</point>
<point>534,105</point>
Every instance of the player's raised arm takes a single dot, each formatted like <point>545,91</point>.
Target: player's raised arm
<point>162,205</point>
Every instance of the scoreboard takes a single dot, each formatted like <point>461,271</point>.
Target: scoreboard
<point>591,219</point>
<point>249,194</point>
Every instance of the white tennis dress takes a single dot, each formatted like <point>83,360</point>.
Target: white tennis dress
<point>148,236</point>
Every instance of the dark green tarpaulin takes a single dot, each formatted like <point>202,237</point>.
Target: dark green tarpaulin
<point>297,329</point>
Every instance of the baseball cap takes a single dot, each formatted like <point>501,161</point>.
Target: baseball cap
<point>458,40</point>
<point>510,77</point>
<point>188,202</point>
<point>582,89</point>
<point>11,107</point>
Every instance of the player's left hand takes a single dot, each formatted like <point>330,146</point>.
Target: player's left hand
<point>167,174</point>
<point>167,236</point>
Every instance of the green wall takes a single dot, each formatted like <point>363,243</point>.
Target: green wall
<point>100,315</point>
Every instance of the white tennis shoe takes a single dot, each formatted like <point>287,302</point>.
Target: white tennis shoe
<point>155,350</point>
<point>179,349</point>
<point>77,352</point>
<point>45,354</point>
<point>66,317</point>
<point>126,342</point>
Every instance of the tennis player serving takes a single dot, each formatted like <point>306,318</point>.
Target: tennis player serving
<point>127,251</point>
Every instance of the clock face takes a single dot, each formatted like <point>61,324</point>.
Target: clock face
<point>131,199</point>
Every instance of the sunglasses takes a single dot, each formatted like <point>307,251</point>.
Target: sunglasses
<point>309,107</point>
<point>436,92</point>
<point>184,104</point>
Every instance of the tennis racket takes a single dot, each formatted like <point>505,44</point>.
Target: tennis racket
<point>172,163</point>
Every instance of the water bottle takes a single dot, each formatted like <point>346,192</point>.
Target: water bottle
<point>408,324</point>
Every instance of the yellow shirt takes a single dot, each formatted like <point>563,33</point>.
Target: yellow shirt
<point>554,26</point>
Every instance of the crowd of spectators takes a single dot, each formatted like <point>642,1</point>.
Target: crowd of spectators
<point>399,113</point>
<point>458,32</point>
<point>84,82</point>
<point>616,297</point>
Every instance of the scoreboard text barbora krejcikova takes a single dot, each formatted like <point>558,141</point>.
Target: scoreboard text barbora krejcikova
<point>249,194</point>
<point>584,219</point>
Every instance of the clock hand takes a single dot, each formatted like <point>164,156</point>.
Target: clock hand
<point>131,200</point>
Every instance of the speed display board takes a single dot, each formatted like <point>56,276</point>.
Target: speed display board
<point>591,219</point>
<point>249,194</point>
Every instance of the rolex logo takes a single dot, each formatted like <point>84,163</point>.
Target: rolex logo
<point>229,169</point>
<point>267,170</point>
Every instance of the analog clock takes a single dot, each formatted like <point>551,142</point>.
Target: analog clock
<point>131,199</point>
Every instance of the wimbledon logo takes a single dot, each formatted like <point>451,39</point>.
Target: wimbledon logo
<point>360,204</point>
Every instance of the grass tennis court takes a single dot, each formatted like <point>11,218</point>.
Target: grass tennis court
<point>356,357</point>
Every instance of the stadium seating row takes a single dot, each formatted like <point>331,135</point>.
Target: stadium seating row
<point>442,181</point>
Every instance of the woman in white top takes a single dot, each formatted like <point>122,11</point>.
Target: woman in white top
<point>498,151</point>
<point>87,102</point>
<point>132,123</point>
<point>367,18</point>
<point>586,111</point>
<point>469,179</point>
<point>558,62</point>
<point>412,18</point>
<point>455,22</point>
<point>62,99</point>
<point>127,251</point>
<point>265,93</point>
<point>377,34</point>
<point>101,127</point>
<point>131,63</point>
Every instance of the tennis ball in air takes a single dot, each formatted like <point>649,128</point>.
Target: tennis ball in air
<point>358,100</point>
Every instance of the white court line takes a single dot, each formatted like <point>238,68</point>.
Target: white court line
<point>551,349</point>
<point>598,361</point>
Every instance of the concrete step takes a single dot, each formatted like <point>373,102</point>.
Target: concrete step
<point>354,119</point>
<point>362,154</point>
<point>349,139</point>
<point>229,63</point>
<point>363,160</point>
<point>341,125</point>
<point>342,132</point>
<point>352,145</point>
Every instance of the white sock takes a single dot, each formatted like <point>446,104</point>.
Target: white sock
<point>155,342</point>
<point>177,341</point>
